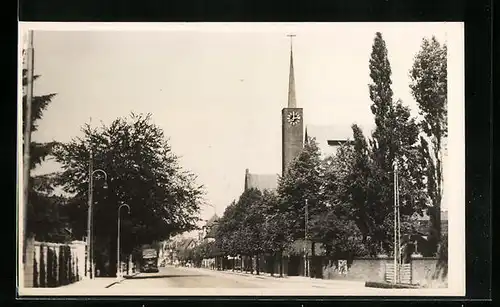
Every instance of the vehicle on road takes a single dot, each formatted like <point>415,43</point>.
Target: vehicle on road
<point>149,260</point>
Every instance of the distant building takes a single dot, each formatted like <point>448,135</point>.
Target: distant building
<point>423,223</point>
<point>329,138</point>
<point>209,229</point>
<point>260,181</point>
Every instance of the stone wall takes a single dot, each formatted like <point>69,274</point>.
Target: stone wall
<point>363,269</point>
<point>53,264</point>
<point>373,269</point>
<point>423,269</point>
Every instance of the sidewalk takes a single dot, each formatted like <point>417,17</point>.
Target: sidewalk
<point>293,279</point>
<point>96,283</point>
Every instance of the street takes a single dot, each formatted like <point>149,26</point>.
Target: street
<point>181,277</point>
<point>184,281</point>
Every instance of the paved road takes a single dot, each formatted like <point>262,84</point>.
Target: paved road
<point>186,281</point>
<point>171,277</point>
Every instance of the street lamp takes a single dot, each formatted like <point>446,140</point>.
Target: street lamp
<point>306,218</point>
<point>118,241</point>
<point>92,172</point>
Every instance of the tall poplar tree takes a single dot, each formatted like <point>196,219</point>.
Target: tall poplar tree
<point>429,86</point>
<point>395,137</point>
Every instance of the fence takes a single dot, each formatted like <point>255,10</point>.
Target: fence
<point>53,264</point>
<point>404,273</point>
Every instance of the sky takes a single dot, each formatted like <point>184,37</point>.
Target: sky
<point>217,90</point>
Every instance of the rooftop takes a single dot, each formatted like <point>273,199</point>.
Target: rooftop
<point>425,216</point>
<point>329,137</point>
<point>261,181</point>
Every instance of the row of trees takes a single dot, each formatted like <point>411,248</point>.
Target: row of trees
<point>349,196</point>
<point>142,171</point>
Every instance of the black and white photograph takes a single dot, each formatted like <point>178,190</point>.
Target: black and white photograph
<point>242,159</point>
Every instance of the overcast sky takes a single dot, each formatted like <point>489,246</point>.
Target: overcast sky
<point>217,91</point>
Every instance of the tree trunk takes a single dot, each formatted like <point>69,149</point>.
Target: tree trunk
<point>257,264</point>
<point>127,264</point>
<point>281,263</point>
<point>312,270</point>
<point>251,264</point>
<point>272,262</point>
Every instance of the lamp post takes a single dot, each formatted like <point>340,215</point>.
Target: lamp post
<point>306,218</point>
<point>92,172</point>
<point>118,270</point>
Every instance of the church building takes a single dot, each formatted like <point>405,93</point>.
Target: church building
<point>294,136</point>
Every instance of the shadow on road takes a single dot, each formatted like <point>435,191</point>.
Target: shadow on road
<point>166,276</point>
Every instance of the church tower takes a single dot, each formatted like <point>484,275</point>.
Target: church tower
<point>291,122</point>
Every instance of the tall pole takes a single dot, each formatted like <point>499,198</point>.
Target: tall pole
<point>395,220</point>
<point>118,269</point>
<point>395,243</point>
<point>89,219</point>
<point>27,135</point>
<point>305,240</point>
<point>399,222</point>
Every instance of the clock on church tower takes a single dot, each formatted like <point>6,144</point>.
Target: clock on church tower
<point>292,135</point>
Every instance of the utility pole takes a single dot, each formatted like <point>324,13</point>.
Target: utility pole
<point>90,224</point>
<point>89,218</point>
<point>27,141</point>
<point>118,267</point>
<point>306,219</point>
<point>396,241</point>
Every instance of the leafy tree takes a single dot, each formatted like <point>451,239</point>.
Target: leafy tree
<point>251,203</point>
<point>302,181</point>
<point>340,236</point>
<point>274,239</point>
<point>429,86</point>
<point>227,233</point>
<point>142,172</point>
<point>396,136</point>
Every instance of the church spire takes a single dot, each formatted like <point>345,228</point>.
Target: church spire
<point>292,101</point>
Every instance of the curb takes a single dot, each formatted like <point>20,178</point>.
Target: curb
<point>317,282</point>
<point>122,279</point>
<point>248,275</point>
<point>386,285</point>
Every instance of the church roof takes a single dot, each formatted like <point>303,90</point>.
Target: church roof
<point>261,181</point>
<point>212,220</point>
<point>336,134</point>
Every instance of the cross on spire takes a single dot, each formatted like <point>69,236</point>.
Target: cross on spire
<point>292,101</point>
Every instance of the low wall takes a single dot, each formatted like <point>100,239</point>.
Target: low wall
<point>363,269</point>
<point>54,264</point>
<point>423,269</point>
<point>373,269</point>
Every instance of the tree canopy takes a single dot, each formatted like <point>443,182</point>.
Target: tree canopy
<point>429,87</point>
<point>142,171</point>
<point>350,195</point>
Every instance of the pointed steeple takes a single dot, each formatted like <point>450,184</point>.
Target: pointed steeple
<point>305,136</point>
<point>292,101</point>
